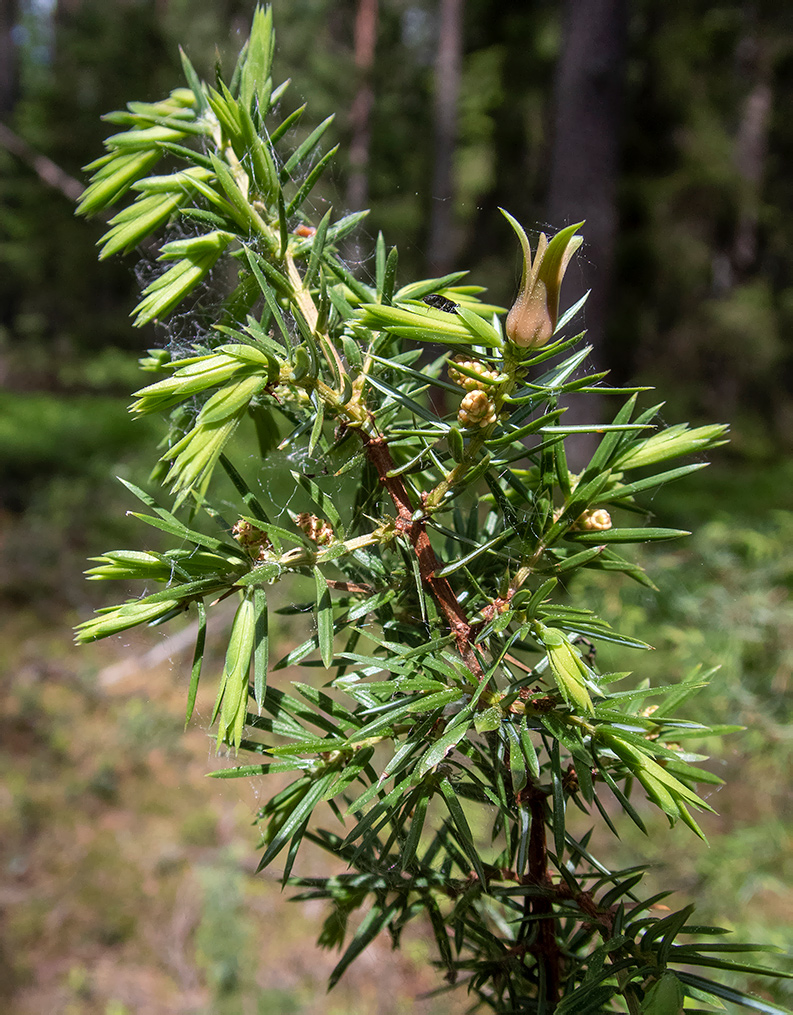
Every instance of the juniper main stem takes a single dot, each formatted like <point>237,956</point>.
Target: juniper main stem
<point>545,948</point>
<point>415,530</point>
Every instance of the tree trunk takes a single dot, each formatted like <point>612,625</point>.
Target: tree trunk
<point>751,145</point>
<point>361,113</point>
<point>9,75</point>
<point>442,245</point>
<point>9,92</point>
<point>585,157</point>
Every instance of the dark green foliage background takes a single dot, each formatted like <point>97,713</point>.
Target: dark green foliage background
<point>724,341</point>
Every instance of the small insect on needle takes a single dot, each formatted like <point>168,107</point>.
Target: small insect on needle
<point>441,303</point>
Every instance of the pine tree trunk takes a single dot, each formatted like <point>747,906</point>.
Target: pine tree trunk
<point>585,160</point>
<point>9,79</point>
<point>442,245</point>
<point>361,112</point>
<point>751,148</point>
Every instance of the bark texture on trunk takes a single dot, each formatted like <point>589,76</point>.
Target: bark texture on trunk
<point>586,139</point>
<point>442,245</point>
<point>365,39</point>
<point>751,151</point>
<point>9,78</point>
<point>585,161</point>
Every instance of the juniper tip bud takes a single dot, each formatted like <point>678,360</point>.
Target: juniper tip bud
<point>483,376</point>
<point>598,520</point>
<point>476,409</point>
<point>532,320</point>
<point>255,541</point>
<point>317,529</point>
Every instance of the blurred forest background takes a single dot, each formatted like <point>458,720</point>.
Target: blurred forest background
<point>669,128</point>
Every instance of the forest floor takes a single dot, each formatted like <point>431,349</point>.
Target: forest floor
<point>128,876</point>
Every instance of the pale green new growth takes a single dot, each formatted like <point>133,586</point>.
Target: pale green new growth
<point>436,527</point>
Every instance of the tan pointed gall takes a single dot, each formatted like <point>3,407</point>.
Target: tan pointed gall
<point>532,320</point>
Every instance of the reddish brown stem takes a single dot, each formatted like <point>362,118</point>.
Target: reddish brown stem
<point>413,528</point>
<point>354,587</point>
<point>545,948</point>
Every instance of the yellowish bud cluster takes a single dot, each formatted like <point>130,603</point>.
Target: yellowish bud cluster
<point>594,521</point>
<point>597,520</point>
<point>477,409</point>
<point>485,376</point>
<point>255,541</point>
<point>317,529</point>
